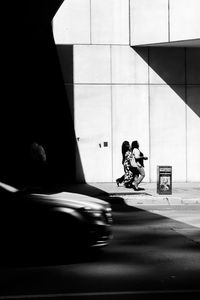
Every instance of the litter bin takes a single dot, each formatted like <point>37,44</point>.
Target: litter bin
<point>164,180</point>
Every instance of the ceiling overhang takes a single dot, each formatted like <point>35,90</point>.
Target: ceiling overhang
<point>187,43</point>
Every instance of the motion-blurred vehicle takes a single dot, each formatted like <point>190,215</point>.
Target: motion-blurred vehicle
<point>54,222</point>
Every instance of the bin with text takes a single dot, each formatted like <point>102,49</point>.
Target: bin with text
<point>164,180</point>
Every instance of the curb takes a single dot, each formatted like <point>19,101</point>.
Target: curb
<point>162,201</point>
<point>141,199</point>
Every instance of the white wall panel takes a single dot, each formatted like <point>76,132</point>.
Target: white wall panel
<point>110,21</point>
<point>167,65</point>
<point>168,130</point>
<point>128,66</point>
<point>130,122</point>
<point>193,133</point>
<point>193,65</point>
<point>184,19</point>
<point>149,21</point>
<point>93,128</point>
<point>71,23</point>
<point>92,64</point>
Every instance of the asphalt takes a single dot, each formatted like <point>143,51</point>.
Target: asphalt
<point>183,193</point>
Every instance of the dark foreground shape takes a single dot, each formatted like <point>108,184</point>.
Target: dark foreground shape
<point>38,227</point>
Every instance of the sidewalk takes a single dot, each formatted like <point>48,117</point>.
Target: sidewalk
<point>182,193</point>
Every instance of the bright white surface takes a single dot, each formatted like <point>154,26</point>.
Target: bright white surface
<point>130,122</point>
<point>93,127</point>
<point>193,133</point>
<point>110,21</point>
<point>149,21</point>
<point>184,19</point>
<point>168,130</point>
<point>71,23</point>
<point>92,64</point>
<point>128,66</point>
<point>96,67</point>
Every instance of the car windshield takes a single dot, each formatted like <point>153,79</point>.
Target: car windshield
<point>8,188</point>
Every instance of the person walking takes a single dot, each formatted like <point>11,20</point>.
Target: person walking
<point>139,159</point>
<point>128,167</point>
<point>124,147</point>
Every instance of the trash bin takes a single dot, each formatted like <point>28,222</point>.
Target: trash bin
<point>164,180</point>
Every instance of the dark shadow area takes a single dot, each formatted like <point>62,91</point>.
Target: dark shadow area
<point>52,257</point>
<point>145,250</point>
<point>179,68</point>
<point>141,237</point>
<point>41,229</point>
<point>34,105</point>
<point>65,55</point>
<point>84,189</point>
<point>22,257</point>
<point>66,59</point>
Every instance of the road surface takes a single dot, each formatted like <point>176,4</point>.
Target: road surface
<point>155,250</point>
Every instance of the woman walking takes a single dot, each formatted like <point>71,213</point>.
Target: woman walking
<point>125,147</point>
<point>139,158</point>
<point>128,169</point>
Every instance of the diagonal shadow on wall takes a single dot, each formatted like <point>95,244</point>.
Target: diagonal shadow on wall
<point>177,67</point>
<point>65,54</point>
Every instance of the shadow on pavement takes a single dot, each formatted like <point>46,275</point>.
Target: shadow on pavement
<point>139,237</point>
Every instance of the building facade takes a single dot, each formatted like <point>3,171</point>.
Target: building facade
<point>131,69</point>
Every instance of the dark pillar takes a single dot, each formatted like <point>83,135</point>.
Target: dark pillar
<point>34,104</point>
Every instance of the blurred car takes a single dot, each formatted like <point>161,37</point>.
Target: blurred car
<point>60,221</point>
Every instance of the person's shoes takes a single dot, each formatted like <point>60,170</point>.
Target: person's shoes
<point>135,189</point>
<point>135,186</point>
<point>117,182</point>
<point>127,185</point>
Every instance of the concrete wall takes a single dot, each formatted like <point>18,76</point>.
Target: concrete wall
<point>146,18</point>
<point>110,21</point>
<point>92,22</point>
<point>71,14</point>
<point>176,20</point>
<point>118,93</point>
<point>184,19</point>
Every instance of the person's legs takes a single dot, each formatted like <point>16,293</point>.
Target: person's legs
<point>120,180</point>
<point>141,176</point>
<point>128,177</point>
<point>135,173</point>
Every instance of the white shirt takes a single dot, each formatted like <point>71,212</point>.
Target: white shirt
<point>136,153</point>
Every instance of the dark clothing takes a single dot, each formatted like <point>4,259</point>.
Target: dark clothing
<point>140,160</point>
<point>120,179</point>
